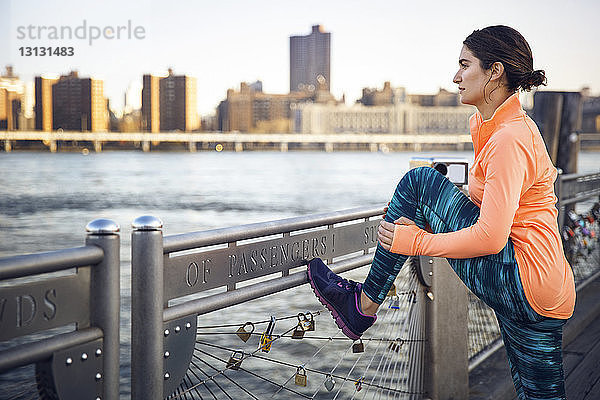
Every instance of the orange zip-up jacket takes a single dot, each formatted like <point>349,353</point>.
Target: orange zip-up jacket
<point>512,181</point>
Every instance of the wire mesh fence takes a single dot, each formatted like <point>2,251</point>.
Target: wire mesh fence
<point>321,363</point>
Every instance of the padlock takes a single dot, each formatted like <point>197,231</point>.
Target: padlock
<point>235,360</point>
<point>303,322</point>
<point>311,321</point>
<point>358,384</point>
<point>243,333</point>
<point>358,347</point>
<point>396,345</point>
<point>298,332</point>
<point>329,383</point>
<point>413,296</point>
<point>585,231</point>
<point>265,342</point>
<point>300,379</point>
<point>392,291</point>
<point>267,337</point>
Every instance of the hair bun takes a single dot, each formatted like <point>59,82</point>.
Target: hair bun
<point>533,79</point>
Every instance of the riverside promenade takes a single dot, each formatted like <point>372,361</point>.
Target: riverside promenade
<point>206,305</point>
<point>581,355</point>
<point>431,341</point>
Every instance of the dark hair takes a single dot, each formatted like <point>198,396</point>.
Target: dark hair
<point>503,44</point>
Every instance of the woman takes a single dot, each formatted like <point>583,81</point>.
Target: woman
<point>503,242</point>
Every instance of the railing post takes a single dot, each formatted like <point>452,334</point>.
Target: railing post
<point>446,354</point>
<point>558,190</point>
<point>147,308</point>
<point>105,298</point>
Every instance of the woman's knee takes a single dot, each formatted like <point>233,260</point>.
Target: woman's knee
<point>412,178</point>
<point>420,173</point>
<point>417,181</point>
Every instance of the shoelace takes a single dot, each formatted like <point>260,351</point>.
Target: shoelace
<point>347,284</point>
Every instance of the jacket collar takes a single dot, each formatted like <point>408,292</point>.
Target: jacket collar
<point>482,130</point>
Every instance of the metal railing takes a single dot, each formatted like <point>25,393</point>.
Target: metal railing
<point>221,261</point>
<point>575,188</point>
<point>33,300</point>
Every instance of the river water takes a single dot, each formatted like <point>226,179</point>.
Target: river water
<point>46,200</point>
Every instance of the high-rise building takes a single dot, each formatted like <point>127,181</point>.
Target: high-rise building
<point>252,110</point>
<point>11,96</point>
<point>43,103</point>
<point>10,109</point>
<point>78,104</point>
<point>169,103</point>
<point>178,104</point>
<point>310,60</point>
<point>150,104</point>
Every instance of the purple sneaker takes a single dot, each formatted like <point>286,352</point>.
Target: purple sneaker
<point>340,296</point>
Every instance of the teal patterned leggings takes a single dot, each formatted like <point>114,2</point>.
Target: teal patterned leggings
<point>533,342</point>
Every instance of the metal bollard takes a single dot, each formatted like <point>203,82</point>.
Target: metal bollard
<point>147,308</point>
<point>105,298</point>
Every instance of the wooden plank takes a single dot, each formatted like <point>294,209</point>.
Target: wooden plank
<point>594,392</point>
<point>571,360</point>
<point>581,347</point>
<point>491,380</point>
<point>585,375</point>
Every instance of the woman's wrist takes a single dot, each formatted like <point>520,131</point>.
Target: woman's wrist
<point>407,239</point>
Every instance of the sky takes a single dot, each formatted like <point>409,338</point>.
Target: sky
<point>414,44</point>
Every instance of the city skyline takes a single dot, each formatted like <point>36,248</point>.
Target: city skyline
<point>231,42</point>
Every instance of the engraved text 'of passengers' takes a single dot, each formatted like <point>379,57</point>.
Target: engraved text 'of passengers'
<point>274,256</point>
<point>248,260</point>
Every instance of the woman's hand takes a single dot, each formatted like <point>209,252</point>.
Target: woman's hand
<point>385,232</point>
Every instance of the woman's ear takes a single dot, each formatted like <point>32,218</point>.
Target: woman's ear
<point>497,71</point>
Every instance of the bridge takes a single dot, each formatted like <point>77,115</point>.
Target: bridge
<point>242,141</point>
<point>235,141</point>
<point>226,313</point>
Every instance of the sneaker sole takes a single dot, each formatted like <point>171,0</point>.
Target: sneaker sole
<point>336,316</point>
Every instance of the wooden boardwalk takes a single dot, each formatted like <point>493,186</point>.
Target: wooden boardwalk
<point>582,364</point>
<point>581,356</point>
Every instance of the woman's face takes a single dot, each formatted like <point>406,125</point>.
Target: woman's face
<point>470,78</point>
